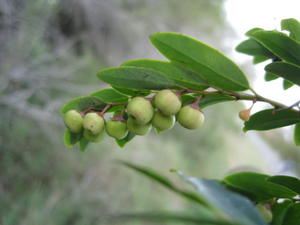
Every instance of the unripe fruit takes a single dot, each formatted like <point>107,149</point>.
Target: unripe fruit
<point>141,110</point>
<point>245,114</point>
<point>167,102</point>
<point>266,213</point>
<point>93,123</point>
<point>73,121</point>
<point>162,122</point>
<point>117,129</point>
<point>137,128</point>
<point>190,117</point>
<point>91,137</point>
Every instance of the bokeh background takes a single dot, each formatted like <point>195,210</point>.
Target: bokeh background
<point>50,52</point>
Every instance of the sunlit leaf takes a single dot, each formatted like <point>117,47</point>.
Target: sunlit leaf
<point>293,26</point>
<point>212,65</point>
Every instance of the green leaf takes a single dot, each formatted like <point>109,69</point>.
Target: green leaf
<point>297,134</point>
<point>162,217</point>
<point>214,99</point>
<point>182,77</point>
<point>269,119</point>
<point>270,76</point>
<point>258,59</point>
<point>238,208</point>
<point>279,44</point>
<point>125,140</point>
<point>83,144</point>
<point>191,196</point>
<point>254,48</point>
<point>293,26</point>
<point>287,84</point>
<point>253,30</point>
<point>70,138</point>
<point>279,210</point>
<point>131,92</point>
<point>136,78</point>
<point>285,70</point>
<point>292,183</point>
<point>257,187</point>
<point>209,63</point>
<point>292,216</point>
<point>83,103</point>
<point>109,95</point>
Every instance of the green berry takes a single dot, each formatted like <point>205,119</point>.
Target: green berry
<point>167,102</point>
<point>162,122</point>
<point>73,120</point>
<point>117,129</point>
<point>190,117</point>
<point>141,110</point>
<point>93,123</point>
<point>91,137</point>
<point>138,129</point>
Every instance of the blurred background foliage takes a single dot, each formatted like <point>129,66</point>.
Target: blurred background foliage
<point>50,52</point>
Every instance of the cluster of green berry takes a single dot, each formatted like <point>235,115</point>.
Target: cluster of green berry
<point>161,112</point>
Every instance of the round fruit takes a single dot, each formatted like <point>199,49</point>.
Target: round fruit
<point>162,122</point>
<point>91,137</point>
<point>190,117</point>
<point>167,102</point>
<point>116,129</point>
<point>266,213</point>
<point>93,123</point>
<point>244,114</point>
<point>73,121</point>
<point>138,129</point>
<point>141,110</point>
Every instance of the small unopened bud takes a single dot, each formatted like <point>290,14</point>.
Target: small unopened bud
<point>245,114</point>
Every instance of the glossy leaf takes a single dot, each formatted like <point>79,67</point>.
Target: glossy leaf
<point>293,26</point>
<point>270,119</point>
<point>292,216</point>
<point>182,77</point>
<point>279,210</point>
<point>254,48</point>
<point>297,134</point>
<point>258,186</point>
<point>83,103</point>
<point>125,140</point>
<point>70,139</point>
<point>212,65</point>
<point>285,70</point>
<point>136,78</point>
<point>236,207</point>
<point>191,196</point>
<point>279,44</point>
<point>292,183</point>
<point>109,95</point>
